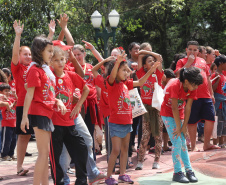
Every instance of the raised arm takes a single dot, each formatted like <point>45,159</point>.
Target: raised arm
<point>142,80</point>
<point>77,66</point>
<point>179,65</point>
<point>96,54</point>
<point>158,57</point>
<point>52,26</point>
<point>97,66</point>
<point>16,46</point>
<point>65,31</point>
<point>114,71</point>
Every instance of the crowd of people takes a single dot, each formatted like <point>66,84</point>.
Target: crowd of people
<point>52,92</point>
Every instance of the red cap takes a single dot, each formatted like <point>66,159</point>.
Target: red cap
<point>61,45</point>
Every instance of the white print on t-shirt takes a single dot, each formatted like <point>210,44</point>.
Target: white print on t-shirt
<point>148,89</point>
<point>63,93</point>
<point>88,78</point>
<point>124,102</point>
<point>106,93</point>
<point>180,103</point>
<point>10,114</point>
<point>25,76</point>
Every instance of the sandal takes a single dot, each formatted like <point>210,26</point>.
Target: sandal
<point>22,172</point>
<point>117,165</point>
<point>130,164</point>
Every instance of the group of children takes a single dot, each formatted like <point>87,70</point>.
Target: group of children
<point>56,98</point>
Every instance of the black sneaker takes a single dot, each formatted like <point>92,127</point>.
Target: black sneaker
<point>191,176</point>
<point>28,154</point>
<point>180,177</point>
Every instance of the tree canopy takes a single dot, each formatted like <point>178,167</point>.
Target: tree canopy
<point>166,24</point>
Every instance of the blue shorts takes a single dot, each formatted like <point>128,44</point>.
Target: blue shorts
<point>202,109</point>
<point>119,130</point>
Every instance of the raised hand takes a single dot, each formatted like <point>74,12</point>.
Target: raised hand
<point>88,45</point>
<point>121,57</point>
<point>52,26</point>
<point>191,59</point>
<point>217,53</point>
<point>63,21</point>
<point>109,59</point>
<point>18,27</point>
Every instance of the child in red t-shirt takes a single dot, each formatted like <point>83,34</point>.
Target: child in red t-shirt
<point>21,59</point>
<point>202,108</point>
<point>120,121</point>
<point>152,123</point>
<point>92,116</point>
<point>220,97</point>
<point>39,102</point>
<point>65,130</point>
<point>8,137</point>
<point>11,82</point>
<point>174,111</point>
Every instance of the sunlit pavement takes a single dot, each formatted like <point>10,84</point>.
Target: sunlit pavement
<point>209,167</point>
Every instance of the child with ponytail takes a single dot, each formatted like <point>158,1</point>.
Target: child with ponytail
<point>175,115</point>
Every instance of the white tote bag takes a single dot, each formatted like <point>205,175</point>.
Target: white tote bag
<point>158,95</point>
<point>136,103</point>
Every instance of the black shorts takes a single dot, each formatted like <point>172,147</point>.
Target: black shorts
<point>19,115</point>
<point>42,122</point>
<point>202,109</point>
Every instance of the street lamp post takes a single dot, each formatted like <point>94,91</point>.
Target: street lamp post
<point>96,19</point>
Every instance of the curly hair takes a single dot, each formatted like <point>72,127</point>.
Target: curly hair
<point>192,75</point>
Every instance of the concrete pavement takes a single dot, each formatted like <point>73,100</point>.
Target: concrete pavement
<point>209,166</point>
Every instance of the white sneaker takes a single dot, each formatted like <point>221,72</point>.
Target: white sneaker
<point>139,166</point>
<point>155,165</point>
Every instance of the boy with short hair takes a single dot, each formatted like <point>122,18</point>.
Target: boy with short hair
<point>202,108</point>
<point>8,123</point>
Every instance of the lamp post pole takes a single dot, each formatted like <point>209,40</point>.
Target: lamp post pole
<point>105,35</point>
<point>96,19</point>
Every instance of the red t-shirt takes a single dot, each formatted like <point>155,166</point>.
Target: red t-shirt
<point>104,106</point>
<point>69,68</point>
<point>119,102</point>
<point>19,72</point>
<point>8,117</point>
<point>147,89</point>
<point>221,84</point>
<point>89,78</point>
<point>44,95</point>
<point>203,89</point>
<point>65,87</point>
<point>175,90</point>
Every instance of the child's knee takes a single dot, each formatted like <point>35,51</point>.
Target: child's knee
<point>115,151</point>
<point>177,142</point>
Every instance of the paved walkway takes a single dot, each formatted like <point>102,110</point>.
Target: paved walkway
<point>210,168</point>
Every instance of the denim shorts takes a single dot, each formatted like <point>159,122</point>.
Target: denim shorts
<point>119,130</point>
